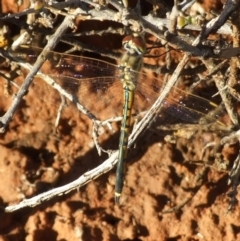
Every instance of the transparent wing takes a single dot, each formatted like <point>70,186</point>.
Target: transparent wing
<point>97,85</point>
<point>177,105</point>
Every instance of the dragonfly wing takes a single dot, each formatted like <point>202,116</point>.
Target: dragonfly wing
<point>71,65</point>
<point>178,105</point>
<point>79,76</point>
<point>102,96</point>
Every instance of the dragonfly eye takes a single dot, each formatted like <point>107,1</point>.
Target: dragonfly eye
<point>134,44</point>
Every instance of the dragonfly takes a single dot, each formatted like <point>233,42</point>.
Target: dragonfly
<point>102,87</point>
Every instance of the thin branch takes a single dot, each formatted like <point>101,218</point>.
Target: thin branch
<point>4,120</point>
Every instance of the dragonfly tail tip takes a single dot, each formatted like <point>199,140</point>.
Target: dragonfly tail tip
<point>117,198</point>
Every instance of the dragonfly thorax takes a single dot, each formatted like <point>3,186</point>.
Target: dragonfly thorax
<point>131,62</point>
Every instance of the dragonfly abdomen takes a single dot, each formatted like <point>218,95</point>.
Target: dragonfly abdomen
<point>129,89</point>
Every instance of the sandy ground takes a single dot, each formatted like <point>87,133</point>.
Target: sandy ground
<point>169,193</point>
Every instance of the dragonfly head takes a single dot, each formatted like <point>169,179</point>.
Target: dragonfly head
<point>134,44</point>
